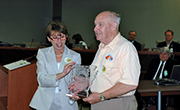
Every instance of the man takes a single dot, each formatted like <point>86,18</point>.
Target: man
<point>118,67</point>
<point>132,36</point>
<point>173,46</point>
<point>167,64</point>
<point>160,68</point>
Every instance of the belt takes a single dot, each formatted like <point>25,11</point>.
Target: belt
<point>112,98</point>
<point>119,97</point>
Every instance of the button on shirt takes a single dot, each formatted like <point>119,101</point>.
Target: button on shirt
<point>116,62</point>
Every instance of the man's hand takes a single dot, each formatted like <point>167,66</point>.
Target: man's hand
<point>78,85</point>
<point>93,98</point>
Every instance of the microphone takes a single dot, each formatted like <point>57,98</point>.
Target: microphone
<point>31,42</point>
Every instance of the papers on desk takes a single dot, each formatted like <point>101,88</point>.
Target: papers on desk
<point>167,82</point>
<point>16,64</point>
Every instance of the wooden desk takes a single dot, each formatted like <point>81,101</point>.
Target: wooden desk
<point>148,88</point>
<point>17,87</point>
<point>145,49</point>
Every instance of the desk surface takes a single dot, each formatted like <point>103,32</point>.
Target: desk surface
<point>148,88</point>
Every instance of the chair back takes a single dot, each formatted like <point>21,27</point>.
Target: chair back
<point>142,46</point>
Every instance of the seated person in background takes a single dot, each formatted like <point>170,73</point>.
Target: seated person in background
<point>68,44</point>
<point>77,38</point>
<point>173,46</point>
<point>155,70</point>
<point>132,36</point>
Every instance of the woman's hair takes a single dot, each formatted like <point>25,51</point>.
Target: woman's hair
<point>77,38</point>
<point>56,26</point>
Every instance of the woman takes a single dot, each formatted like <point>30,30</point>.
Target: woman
<point>54,66</point>
<point>77,39</point>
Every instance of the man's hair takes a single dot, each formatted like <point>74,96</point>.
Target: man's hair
<point>115,17</point>
<point>132,31</point>
<point>169,31</point>
<point>165,49</point>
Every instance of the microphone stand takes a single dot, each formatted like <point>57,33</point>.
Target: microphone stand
<point>31,42</point>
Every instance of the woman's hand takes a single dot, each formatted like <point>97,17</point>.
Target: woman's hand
<point>67,69</point>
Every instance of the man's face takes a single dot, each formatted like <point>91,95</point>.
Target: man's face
<point>164,56</point>
<point>132,36</point>
<point>102,27</point>
<point>168,36</point>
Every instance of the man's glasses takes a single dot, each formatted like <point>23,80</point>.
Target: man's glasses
<point>132,34</point>
<point>55,38</point>
<point>168,35</point>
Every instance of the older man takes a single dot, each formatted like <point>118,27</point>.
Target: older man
<point>160,68</point>
<point>118,67</point>
<point>132,36</point>
<point>173,46</point>
<point>160,65</point>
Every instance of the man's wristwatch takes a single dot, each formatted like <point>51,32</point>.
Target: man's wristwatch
<point>102,97</point>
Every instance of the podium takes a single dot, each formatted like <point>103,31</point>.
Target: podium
<point>17,87</point>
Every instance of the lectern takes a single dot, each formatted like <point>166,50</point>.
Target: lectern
<point>17,87</point>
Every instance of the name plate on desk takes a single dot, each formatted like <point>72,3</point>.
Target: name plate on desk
<point>16,64</point>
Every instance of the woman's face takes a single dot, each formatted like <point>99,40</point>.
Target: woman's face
<point>58,40</point>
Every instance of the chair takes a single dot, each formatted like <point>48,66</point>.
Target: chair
<point>142,46</point>
<point>158,41</point>
<point>176,41</point>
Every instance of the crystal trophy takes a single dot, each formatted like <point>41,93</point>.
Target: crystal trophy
<point>80,80</point>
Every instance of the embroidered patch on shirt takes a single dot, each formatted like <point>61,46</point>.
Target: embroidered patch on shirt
<point>68,60</point>
<point>109,57</point>
<point>103,69</point>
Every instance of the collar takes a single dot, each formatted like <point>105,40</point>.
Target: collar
<point>132,41</point>
<point>169,43</point>
<point>113,43</point>
<point>162,62</point>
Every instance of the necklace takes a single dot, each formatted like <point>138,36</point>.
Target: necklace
<point>59,55</point>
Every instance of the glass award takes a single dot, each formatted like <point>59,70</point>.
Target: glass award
<point>80,80</point>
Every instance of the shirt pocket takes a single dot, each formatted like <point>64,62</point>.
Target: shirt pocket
<point>108,69</point>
